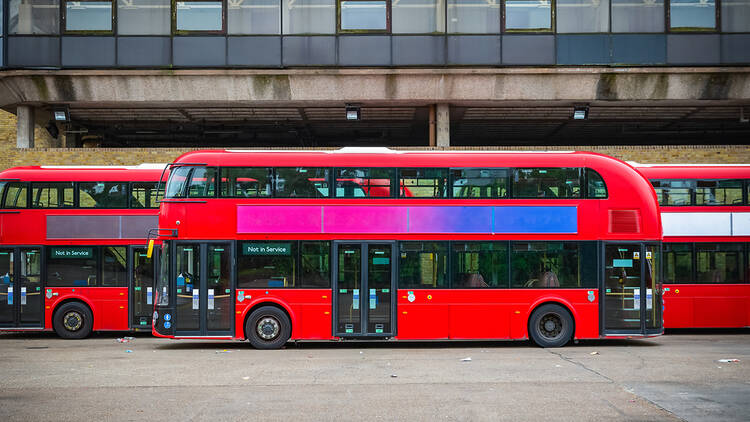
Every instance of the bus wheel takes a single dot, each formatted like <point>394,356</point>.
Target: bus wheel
<point>268,327</point>
<point>73,320</point>
<point>551,326</point>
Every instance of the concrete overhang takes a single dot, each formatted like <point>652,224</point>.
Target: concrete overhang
<point>299,87</point>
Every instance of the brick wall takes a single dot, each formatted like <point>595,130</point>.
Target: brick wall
<point>45,154</point>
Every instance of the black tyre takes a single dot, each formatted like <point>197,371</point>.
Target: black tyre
<point>73,320</point>
<point>551,326</point>
<point>268,327</point>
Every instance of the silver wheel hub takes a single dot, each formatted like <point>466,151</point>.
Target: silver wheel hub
<point>268,328</point>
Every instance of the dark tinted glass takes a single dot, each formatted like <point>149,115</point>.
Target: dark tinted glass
<point>596,187</point>
<point>162,283</point>
<point>365,182</point>
<point>15,195</point>
<point>479,183</point>
<point>52,195</point>
<point>673,192</point>
<point>301,182</point>
<point>479,265</point>
<point>718,262</point>
<point>547,183</point>
<point>246,182</point>
<point>545,264</point>
<point>103,195</point>
<point>74,266</point>
<point>423,183</point>
<point>202,182</point>
<point>177,182</point>
<point>718,192</point>
<point>145,195</point>
<point>678,262</point>
<point>315,264</point>
<point>114,266</point>
<point>423,265</point>
<point>267,264</point>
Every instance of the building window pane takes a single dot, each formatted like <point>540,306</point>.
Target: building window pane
<point>365,183</point>
<point>637,15</point>
<point>246,182</point>
<point>52,195</point>
<point>718,262</point>
<point>692,14</point>
<point>309,16</point>
<point>88,15</point>
<point>143,17</point>
<point>315,265</point>
<point>678,263</point>
<point>72,266</point>
<point>40,17</point>
<point>301,182</point>
<point>582,16</point>
<point>199,16</point>
<point>423,183</point>
<point>423,265</point>
<point>479,183</point>
<point>254,16</point>
<point>474,16</point>
<point>114,266</point>
<point>718,192</point>
<point>417,16</point>
<point>267,264</point>
<point>545,264</point>
<point>528,15</point>
<point>547,183</point>
<point>364,15</point>
<point>735,15</point>
<point>479,265</point>
<point>102,195</point>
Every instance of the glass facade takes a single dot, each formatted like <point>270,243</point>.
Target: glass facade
<point>308,16</point>
<point>579,16</point>
<point>199,15</point>
<point>637,15</point>
<point>692,14</point>
<point>88,15</point>
<point>417,16</point>
<point>248,17</point>
<point>143,17</point>
<point>38,17</point>
<point>474,16</point>
<point>528,15</point>
<point>735,15</point>
<point>364,15</point>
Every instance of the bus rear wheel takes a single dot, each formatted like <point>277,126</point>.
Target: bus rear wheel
<point>73,320</point>
<point>268,327</point>
<point>551,326</point>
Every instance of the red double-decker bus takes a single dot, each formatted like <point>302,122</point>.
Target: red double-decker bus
<point>378,244</point>
<point>73,248</point>
<point>706,220</point>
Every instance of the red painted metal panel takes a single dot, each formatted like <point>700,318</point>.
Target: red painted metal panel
<point>109,305</point>
<point>706,305</point>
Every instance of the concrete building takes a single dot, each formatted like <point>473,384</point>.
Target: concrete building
<point>626,77</point>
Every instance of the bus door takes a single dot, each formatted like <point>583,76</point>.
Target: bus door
<point>632,299</point>
<point>204,305</point>
<point>142,273</point>
<point>364,286</point>
<point>21,290</point>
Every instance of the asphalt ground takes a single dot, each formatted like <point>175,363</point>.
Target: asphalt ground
<point>674,377</point>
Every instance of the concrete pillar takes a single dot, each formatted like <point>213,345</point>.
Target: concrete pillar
<point>443,125</point>
<point>24,127</point>
<point>431,121</point>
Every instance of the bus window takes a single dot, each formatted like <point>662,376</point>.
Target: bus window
<point>114,266</point>
<point>596,188</point>
<point>52,195</point>
<point>74,266</point>
<point>267,265</point>
<point>718,262</point>
<point>144,195</point>
<point>102,195</point>
<point>315,264</point>
<point>177,181</point>
<point>547,183</point>
<point>15,195</point>
<point>423,265</point>
<point>673,192</point>
<point>423,183</point>
<point>479,183</point>
<point>365,182</point>
<point>718,192</point>
<point>479,265</point>
<point>202,182</point>
<point>246,182</point>
<point>545,265</point>
<point>301,182</point>
<point>678,263</point>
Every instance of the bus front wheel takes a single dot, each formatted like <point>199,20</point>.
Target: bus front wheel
<point>551,325</point>
<point>268,327</point>
<point>73,320</point>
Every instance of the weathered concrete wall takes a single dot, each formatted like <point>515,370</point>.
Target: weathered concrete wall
<point>395,86</point>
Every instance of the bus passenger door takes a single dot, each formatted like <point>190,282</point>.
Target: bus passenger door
<point>21,293</point>
<point>364,289</point>
<point>141,288</point>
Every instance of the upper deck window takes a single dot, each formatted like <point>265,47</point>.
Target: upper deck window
<point>177,182</point>
<point>480,183</point>
<point>365,182</point>
<point>103,195</point>
<point>718,192</point>
<point>547,183</point>
<point>145,195</point>
<point>424,182</point>
<point>202,182</point>
<point>52,195</point>
<point>15,195</point>
<point>246,182</point>
<point>301,182</point>
<point>596,188</point>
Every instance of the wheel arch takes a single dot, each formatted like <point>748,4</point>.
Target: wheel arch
<point>566,305</point>
<point>268,302</point>
<point>71,299</point>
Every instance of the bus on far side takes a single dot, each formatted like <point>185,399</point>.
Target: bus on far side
<point>379,244</point>
<point>73,252</point>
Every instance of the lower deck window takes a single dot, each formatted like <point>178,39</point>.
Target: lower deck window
<point>284,264</point>
<point>72,266</point>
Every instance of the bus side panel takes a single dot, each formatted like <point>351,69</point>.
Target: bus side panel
<point>309,309</point>
<point>109,305</point>
<point>707,306</point>
<point>27,227</point>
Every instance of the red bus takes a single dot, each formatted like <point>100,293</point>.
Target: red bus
<point>276,245</point>
<point>706,220</point>
<point>72,248</point>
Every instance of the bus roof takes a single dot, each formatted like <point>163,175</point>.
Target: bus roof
<point>140,173</point>
<point>693,171</point>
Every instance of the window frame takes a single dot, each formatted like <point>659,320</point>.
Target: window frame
<point>222,31</point>
<point>553,21</point>
<point>681,30</point>
<point>64,19</point>
<point>508,182</point>
<point>387,30</point>
<point>77,195</point>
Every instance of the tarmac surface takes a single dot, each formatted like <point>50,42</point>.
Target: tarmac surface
<point>674,377</point>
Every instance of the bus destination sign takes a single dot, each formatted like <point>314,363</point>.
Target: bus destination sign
<point>72,252</point>
<point>266,249</point>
